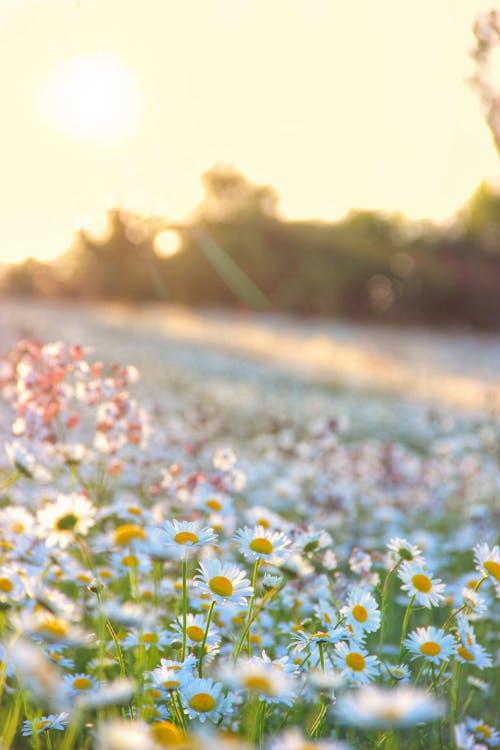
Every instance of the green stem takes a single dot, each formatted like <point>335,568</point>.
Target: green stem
<point>255,613</point>
<point>184,609</point>
<point>383,605</point>
<point>252,599</point>
<point>11,479</point>
<point>205,636</point>
<point>317,721</point>
<point>405,627</point>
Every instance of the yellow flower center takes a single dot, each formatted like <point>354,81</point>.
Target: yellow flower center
<point>319,636</point>
<point>166,734</point>
<point>214,504</point>
<point>43,724</point>
<point>430,648</point>
<point>202,702</point>
<point>221,585</point>
<point>134,510</point>
<point>261,545</point>
<point>105,574</point>
<point>6,585</point>
<point>422,583</point>
<point>83,578</point>
<point>484,729</point>
<point>258,682</point>
<point>82,683</point>
<point>465,653</point>
<point>149,638</point>
<point>127,533</point>
<point>359,613</point>
<point>355,661</point>
<point>493,569</point>
<point>195,633</point>
<point>171,684</point>
<point>263,522</point>
<point>130,561</point>
<point>184,537</point>
<point>67,522</point>
<point>54,626</point>
<point>17,527</point>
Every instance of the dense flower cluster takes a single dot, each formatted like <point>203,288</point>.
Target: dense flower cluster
<point>301,588</point>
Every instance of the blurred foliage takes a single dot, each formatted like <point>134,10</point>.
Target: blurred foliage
<point>236,251</point>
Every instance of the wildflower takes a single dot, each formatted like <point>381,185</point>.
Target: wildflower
<point>418,582</point>
<point>77,684</point>
<point>180,538</point>
<point>146,637</point>
<point>312,641</point>
<point>432,643</point>
<point>263,678</point>
<point>166,734</point>
<point>60,522</point>
<point>401,549</point>
<point>128,533</point>
<point>171,674</point>
<point>12,588</point>
<point>372,707</point>
<point>224,583</point>
<point>483,732</point>
<point>203,699</point>
<point>195,633</point>
<point>44,723</point>
<point>261,544</point>
<point>354,663</point>
<point>468,650</point>
<point>488,561</point>
<point>361,614</point>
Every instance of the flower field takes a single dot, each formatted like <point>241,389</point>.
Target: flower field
<point>204,549</point>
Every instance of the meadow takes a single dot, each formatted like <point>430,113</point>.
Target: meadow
<point>246,532</point>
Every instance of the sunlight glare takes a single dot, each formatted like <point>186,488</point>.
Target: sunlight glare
<point>166,243</point>
<point>92,98</point>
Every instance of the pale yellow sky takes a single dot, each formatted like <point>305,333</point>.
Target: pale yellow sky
<point>337,104</point>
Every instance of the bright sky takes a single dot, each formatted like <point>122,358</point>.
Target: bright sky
<point>337,104</point>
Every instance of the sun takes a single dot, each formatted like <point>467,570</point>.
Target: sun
<point>93,98</point>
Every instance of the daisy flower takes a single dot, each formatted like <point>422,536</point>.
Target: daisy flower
<point>354,663</point>
<point>483,732</point>
<point>60,522</point>
<point>372,707</point>
<point>223,583</point>
<point>195,633</point>
<point>432,643</point>
<point>78,684</point>
<point>417,581</point>
<point>147,638</point>
<point>488,561</point>
<point>260,543</point>
<point>12,587</point>
<point>44,723</point>
<point>302,641</point>
<point>203,699</point>
<point>169,675</point>
<point>180,538</point>
<point>468,650</point>
<point>401,549</point>
<point>361,613</point>
<point>263,678</point>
